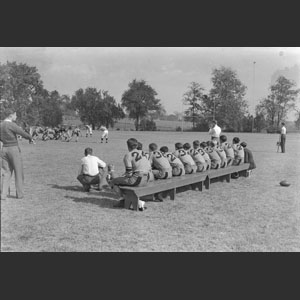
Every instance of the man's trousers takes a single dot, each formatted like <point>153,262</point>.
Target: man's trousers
<point>11,161</point>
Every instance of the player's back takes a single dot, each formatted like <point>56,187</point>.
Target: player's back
<point>159,161</point>
<point>204,154</point>
<point>146,154</point>
<point>228,149</point>
<point>173,160</point>
<point>184,157</point>
<point>197,156</point>
<point>222,155</point>
<point>137,161</point>
<point>221,152</point>
<point>238,151</point>
<point>213,155</point>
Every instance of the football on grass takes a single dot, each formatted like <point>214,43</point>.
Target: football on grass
<point>284,183</point>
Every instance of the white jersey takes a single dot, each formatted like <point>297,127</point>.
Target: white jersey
<point>88,129</point>
<point>197,156</point>
<point>185,157</point>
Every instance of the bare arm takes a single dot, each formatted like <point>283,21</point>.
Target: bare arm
<point>80,171</point>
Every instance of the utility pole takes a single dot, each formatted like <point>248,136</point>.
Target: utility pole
<point>182,117</point>
<point>253,97</point>
<point>214,115</point>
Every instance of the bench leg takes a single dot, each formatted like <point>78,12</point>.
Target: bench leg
<point>228,177</point>
<point>200,186</point>
<point>207,182</point>
<point>131,198</point>
<point>172,194</point>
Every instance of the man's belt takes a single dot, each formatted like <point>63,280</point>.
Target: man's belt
<point>90,175</point>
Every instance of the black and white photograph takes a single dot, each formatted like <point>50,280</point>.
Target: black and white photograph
<point>150,149</point>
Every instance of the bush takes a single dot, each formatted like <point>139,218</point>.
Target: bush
<point>147,125</point>
<point>178,128</point>
<point>229,130</point>
<point>273,129</point>
<point>201,126</point>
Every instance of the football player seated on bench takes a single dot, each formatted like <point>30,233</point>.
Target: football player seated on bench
<point>137,173</point>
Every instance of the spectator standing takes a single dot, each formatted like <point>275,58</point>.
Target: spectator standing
<point>215,131</point>
<point>282,137</point>
<point>11,159</point>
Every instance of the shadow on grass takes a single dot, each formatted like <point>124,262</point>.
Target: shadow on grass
<point>102,202</point>
<point>77,188</point>
<point>67,187</point>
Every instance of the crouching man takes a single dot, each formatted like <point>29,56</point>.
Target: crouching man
<point>91,170</point>
<point>138,172</point>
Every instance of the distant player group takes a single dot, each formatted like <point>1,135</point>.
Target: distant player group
<point>63,133</point>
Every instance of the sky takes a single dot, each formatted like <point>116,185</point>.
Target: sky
<point>169,70</point>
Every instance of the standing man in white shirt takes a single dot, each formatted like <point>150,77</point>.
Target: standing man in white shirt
<point>104,134</point>
<point>214,131</point>
<point>91,170</point>
<point>282,137</point>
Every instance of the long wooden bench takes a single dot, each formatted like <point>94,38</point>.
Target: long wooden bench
<point>196,181</point>
<point>225,173</point>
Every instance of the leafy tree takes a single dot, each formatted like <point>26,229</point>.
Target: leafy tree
<point>297,122</point>
<point>279,102</point>
<point>139,99</point>
<point>226,99</point>
<point>86,104</point>
<point>50,112</point>
<point>178,115</point>
<point>157,114</point>
<point>192,98</point>
<point>259,121</point>
<point>109,110</point>
<point>19,83</point>
<point>45,109</point>
<point>96,107</point>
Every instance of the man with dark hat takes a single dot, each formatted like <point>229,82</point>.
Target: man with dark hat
<point>248,158</point>
<point>11,159</point>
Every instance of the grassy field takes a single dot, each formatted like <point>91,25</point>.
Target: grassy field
<point>247,214</point>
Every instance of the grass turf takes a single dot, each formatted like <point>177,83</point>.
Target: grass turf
<point>247,214</point>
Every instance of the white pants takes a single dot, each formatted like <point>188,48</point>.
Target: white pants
<point>104,134</point>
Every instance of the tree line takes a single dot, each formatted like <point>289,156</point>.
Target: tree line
<point>226,103</point>
<point>22,88</point>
